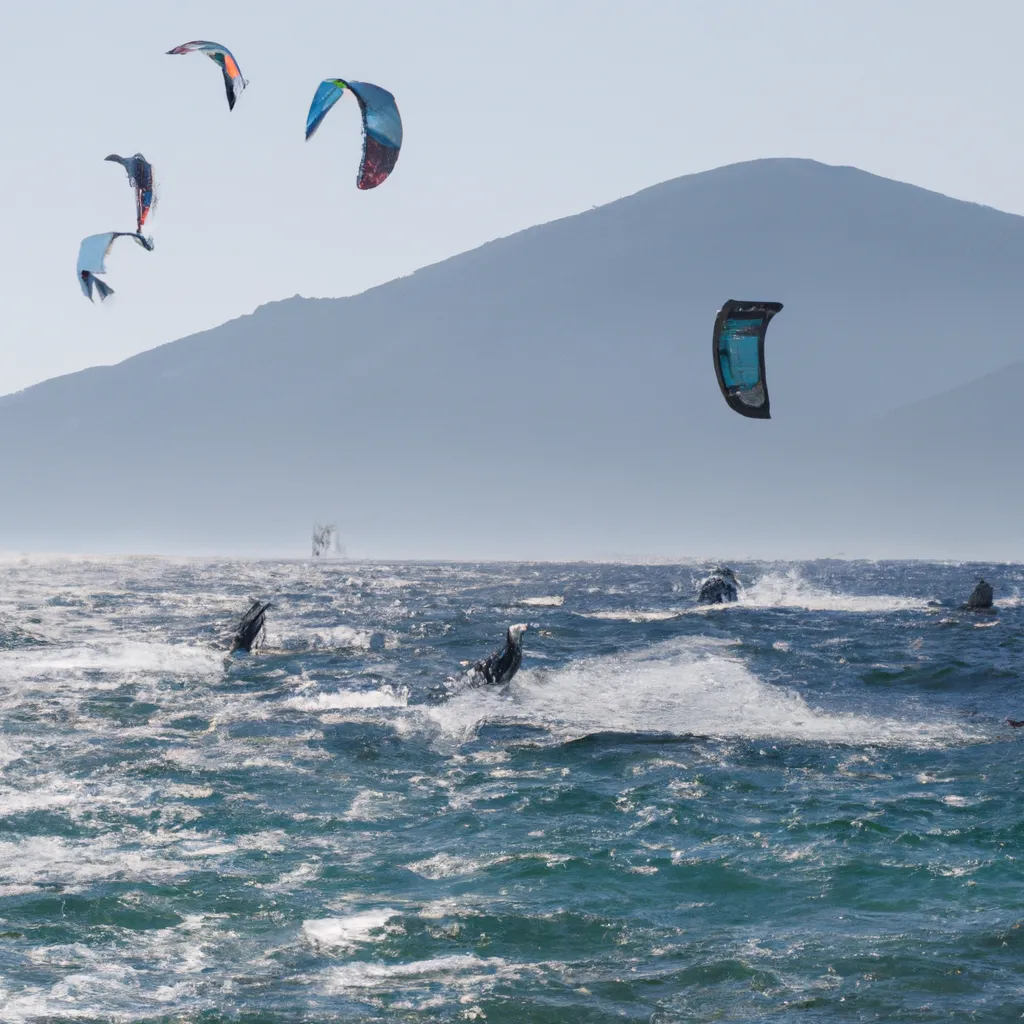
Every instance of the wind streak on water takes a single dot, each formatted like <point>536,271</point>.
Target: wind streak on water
<point>804,802</point>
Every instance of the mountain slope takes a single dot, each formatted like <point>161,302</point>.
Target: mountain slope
<point>547,393</point>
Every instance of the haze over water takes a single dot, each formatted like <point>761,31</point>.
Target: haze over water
<point>804,807</point>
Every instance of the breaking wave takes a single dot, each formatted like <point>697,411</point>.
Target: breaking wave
<point>685,687</point>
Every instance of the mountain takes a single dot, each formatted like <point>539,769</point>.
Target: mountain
<point>946,470</point>
<point>551,394</point>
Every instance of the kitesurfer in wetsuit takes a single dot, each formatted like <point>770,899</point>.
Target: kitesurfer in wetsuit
<point>250,630</point>
<point>495,670</point>
<point>502,665</point>
<point>719,588</point>
<point>981,597</point>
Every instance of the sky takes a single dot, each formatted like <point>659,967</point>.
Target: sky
<point>514,114</point>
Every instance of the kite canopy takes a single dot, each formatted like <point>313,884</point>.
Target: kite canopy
<point>234,83</point>
<point>738,350</point>
<point>140,177</point>
<point>382,125</point>
<point>92,254</point>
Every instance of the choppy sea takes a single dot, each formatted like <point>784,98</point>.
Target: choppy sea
<point>804,807</point>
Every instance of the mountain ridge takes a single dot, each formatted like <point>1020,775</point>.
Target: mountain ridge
<point>642,195</point>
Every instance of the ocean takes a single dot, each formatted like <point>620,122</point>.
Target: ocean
<point>803,807</point>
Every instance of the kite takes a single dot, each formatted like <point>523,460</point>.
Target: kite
<point>234,83</point>
<point>738,350</point>
<point>91,256</point>
<point>140,177</point>
<point>382,126</point>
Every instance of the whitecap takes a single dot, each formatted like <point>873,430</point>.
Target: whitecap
<point>346,933</point>
<point>461,968</point>
<point>791,590</point>
<point>634,614</point>
<point>385,697</point>
<point>371,805</point>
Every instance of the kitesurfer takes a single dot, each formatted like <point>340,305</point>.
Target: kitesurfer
<point>252,629</point>
<point>502,665</point>
<point>981,597</point>
<point>719,588</point>
<point>494,670</point>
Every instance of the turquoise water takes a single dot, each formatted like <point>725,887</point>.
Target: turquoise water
<point>805,807</point>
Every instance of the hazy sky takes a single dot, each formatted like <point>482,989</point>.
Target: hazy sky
<point>514,113</point>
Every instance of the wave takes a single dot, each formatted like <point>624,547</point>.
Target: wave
<point>112,659</point>
<point>372,805</point>
<point>635,615</point>
<point>461,971</point>
<point>776,590</point>
<point>40,860</point>
<point>332,638</point>
<point>684,687</point>
<point>385,697</point>
<point>345,934</point>
<point>446,865</point>
<point>791,590</point>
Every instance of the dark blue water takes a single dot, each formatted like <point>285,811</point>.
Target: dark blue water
<point>803,808</point>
